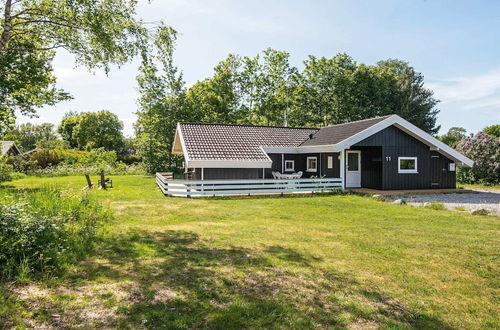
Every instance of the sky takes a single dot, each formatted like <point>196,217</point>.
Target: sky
<point>454,44</point>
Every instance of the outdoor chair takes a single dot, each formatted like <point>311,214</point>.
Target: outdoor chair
<point>104,182</point>
<point>299,174</point>
<point>107,182</point>
<point>90,184</point>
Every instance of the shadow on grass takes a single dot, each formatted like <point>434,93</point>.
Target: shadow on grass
<point>178,281</point>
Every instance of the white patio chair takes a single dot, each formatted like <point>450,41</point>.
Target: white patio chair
<point>299,174</point>
<point>274,175</point>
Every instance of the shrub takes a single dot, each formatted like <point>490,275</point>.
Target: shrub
<point>117,169</point>
<point>45,230</point>
<point>5,170</point>
<point>484,150</point>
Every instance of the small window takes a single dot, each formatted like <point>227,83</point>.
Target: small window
<point>289,165</point>
<point>312,164</point>
<point>330,162</point>
<point>407,165</point>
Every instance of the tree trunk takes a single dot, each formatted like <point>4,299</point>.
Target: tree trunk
<point>7,25</point>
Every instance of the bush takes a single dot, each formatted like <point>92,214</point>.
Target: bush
<point>45,230</point>
<point>117,169</point>
<point>484,150</point>
<point>5,170</point>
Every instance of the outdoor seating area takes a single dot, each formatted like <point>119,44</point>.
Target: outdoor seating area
<point>278,175</point>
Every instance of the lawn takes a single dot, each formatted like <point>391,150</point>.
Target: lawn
<point>332,261</point>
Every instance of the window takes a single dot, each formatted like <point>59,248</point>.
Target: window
<point>289,165</point>
<point>353,161</point>
<point>312,164</point>
<point>330,161</point>
<point>407,165</point>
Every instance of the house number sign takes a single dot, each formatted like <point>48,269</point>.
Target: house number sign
<point>388,158</point>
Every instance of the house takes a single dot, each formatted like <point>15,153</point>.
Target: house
<point>385,153</point>
<point>9,148</point>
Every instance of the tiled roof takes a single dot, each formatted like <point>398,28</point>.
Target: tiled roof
<point>238,142</point>
<point>337,133</point>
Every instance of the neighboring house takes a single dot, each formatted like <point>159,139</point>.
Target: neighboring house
<point>380,153</point>
<point>9,148</point>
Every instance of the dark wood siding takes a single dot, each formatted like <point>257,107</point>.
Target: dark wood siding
<point>300,164</point>
<point>395,143</point>
<point>441,176</point>
<point>333,172</point>
<point>371,167</point>
<point>228,173</point>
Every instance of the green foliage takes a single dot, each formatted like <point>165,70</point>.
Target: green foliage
<point>98,33</point>
<point>29,136</point>
<point>161,105</point>
<point>91,130</point>
<point>66,162</point>
<point>454,136</point>
<point>493,130</point>
<point>484,150</point>
<point>267,90</point>
<point>92,169</point>
<point>44,230</point>
<point>30,83</point>
<point>5,170</point>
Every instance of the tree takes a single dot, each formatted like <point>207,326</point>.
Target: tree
<point>484,150</point>
<point>161,105</point>
<point>99,33</point>
<point>454,136</point>
<point>29,136</point>
<point>66,127</point>
<point>320,96</point>
<point>411,100</point>
<point>93,130</point>
<point>493,130</point>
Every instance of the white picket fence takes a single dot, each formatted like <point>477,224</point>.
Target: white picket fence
<point>198,188</point>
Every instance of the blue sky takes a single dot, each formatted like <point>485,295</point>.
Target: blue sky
<point>455,44</point>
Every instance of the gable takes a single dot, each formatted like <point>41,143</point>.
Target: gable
<point>391,136</point>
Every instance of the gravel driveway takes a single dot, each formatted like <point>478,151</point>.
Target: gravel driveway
<point>480,199</point>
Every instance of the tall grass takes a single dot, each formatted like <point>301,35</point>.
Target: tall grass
<point>43,231</point>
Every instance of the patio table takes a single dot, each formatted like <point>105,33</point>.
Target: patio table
<point>289,176</point>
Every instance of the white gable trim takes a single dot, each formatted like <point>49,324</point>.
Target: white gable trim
<point>179,138</point>
<point>411,130</point>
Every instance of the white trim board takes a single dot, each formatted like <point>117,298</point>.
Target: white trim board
<point>411,130</point>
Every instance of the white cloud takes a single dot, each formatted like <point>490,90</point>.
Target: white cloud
<point>466,89</point>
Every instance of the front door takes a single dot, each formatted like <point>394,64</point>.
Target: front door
<point>353,169</point>
<point>436,169</point>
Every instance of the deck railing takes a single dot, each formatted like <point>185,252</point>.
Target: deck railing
<point>198,188</point>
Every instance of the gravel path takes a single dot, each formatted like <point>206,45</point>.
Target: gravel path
<point>480,199</point>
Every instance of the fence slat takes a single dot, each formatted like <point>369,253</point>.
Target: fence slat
<point>197,188</point>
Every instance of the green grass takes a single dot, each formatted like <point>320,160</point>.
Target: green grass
<point>338,261</point>
<point>479,186</point>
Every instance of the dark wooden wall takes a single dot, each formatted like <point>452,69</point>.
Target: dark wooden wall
<point>301,164</point>
<point>395,143</point>
<point>228,173</point>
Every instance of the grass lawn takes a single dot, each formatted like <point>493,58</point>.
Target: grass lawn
<point>479,186</point>
<point>333,261</point>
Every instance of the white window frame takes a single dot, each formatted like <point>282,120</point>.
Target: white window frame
<point>293,165</point>
<point>329,160</point>
<point>310,169</point>
<point>405,171</point>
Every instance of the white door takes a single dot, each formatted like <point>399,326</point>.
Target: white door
<point>353,169</point>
